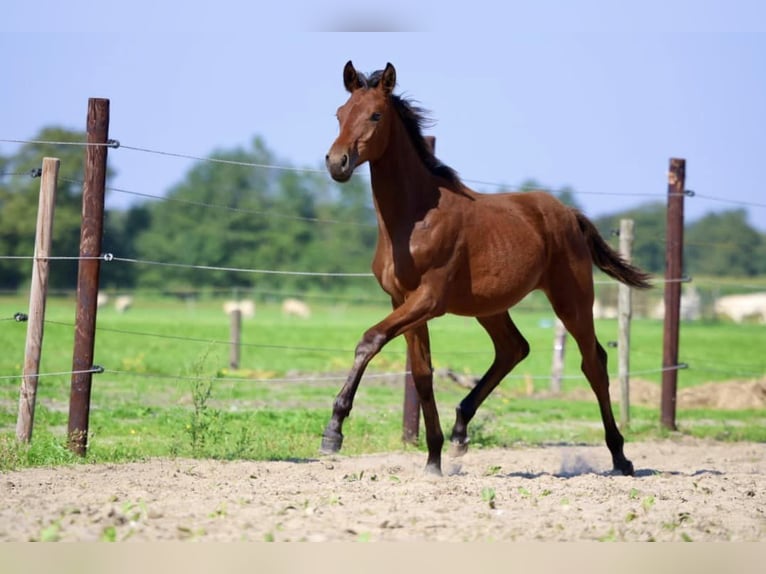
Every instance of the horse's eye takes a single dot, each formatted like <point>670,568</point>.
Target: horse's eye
<point>375,116</point>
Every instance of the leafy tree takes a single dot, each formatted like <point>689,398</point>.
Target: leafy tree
<point>345,234</point>
<point>723,244</point>
<point>566,194</point>
<point>720,243</point>
<point>760,255</point>
<point>121,230</point>
<point>19,197</point>
<point>530,184</point>
<point>648,235</point>
<point>243,217</point>
<point>215,217</point>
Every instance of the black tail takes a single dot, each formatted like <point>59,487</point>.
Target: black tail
<point>608,260</point>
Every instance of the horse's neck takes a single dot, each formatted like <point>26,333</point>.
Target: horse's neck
<point>403,188</point>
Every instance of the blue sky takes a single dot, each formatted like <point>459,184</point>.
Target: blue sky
<point>594,95</point>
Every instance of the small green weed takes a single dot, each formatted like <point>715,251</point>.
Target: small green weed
<point>488,496</point>
<point>220,512</point>
<point>492,471</point>
<point>610,536</point>
<point>109,534</point>
<point>51,533</point>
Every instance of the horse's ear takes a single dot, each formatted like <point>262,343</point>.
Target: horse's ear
<point>350,78</point>
<point>388,81</point>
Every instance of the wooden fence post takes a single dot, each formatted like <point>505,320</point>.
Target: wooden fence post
<point>559,348</point>
<point>673,275</point>
<point>38,294</point>
<point>236,338</point>
<point>88,273</point>
<point>624,314</point>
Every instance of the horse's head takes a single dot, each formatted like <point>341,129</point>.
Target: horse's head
<point>365,121</point>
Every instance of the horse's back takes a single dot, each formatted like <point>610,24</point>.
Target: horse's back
<point>534,220</point>
<point>554,220</point>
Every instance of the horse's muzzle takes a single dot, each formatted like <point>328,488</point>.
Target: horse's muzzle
<point>340,165</point>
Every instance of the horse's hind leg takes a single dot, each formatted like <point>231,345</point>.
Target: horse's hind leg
<point>510,349</point>
<point>575,311</point>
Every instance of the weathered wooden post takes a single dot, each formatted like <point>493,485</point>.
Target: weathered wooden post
<point>88,273</point>
<point>559,349</point>
<point>236,338</point>
<point>673,277</point>
<point>624,315</point>
<point>38,294</point>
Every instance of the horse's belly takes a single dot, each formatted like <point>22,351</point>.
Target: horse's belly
<point>477,305</point>
<point>495,283</point>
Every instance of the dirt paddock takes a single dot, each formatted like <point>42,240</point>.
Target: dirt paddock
<point>684,489</point>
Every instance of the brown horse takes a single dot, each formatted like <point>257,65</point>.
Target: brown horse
<point>444,248</point>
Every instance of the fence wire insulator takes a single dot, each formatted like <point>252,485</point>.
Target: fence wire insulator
<point>115,144</point>
<point>108,256</point>
<point>35,172</point>
<point>20,317</point>
<point>97,369</point>
<point>611,344</point>
<point>689,193</point>
<point>614,232</point>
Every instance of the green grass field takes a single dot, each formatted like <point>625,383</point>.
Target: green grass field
<point>167,389</point>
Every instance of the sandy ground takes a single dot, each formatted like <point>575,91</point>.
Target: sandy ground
<point>683,490</point>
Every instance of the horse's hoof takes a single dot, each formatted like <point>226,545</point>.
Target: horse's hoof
<point>458,449</point>
<point>625,467</point>
<point>433,469</point>
<point>331,444</point>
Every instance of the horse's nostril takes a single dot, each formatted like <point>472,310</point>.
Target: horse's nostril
<point>344,160</point>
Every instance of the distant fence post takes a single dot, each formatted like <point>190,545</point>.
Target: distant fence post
<point>88,273</point>
<point>673,277</point>
<point>411,410</point>
<point>624,314</point>
<point>38,295</point>
<point>236,338</point>
<point>559,348</point>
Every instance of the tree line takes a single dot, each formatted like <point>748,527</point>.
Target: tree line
<point>231,216</point>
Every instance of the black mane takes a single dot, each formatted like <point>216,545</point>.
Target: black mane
<point>415,119</point>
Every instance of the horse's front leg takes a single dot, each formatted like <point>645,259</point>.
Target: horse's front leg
<point>413,312</point>
<point>370,345</point>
